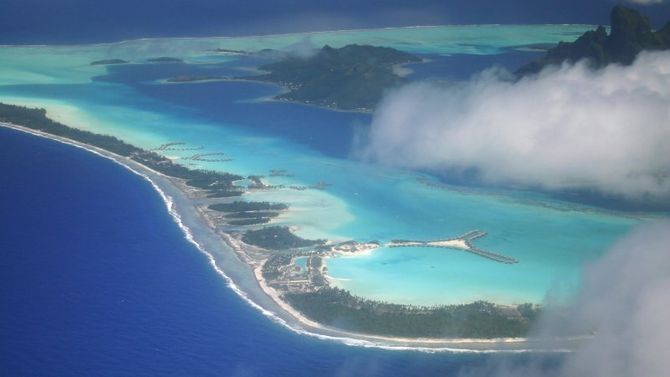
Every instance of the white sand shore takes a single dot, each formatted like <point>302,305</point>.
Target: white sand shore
<point>454,244</point>
<point>248,283</point>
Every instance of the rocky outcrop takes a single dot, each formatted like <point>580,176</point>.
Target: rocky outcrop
<point>630,33</point>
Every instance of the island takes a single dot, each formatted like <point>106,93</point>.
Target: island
<point>309,291</point>
<point>192,79</point>
<point>277,238</point>
<point>165,59</point>
<point>228,51</point>
<point>207,183</point>
<point>353,77</point>
<point>247,213</point>
<point>108,62</point>
<point>337,307</point>
<point>304,297</point>
<point>631,33</point>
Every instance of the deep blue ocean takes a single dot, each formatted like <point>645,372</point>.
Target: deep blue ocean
<point>86,21</point>
<point>97,280</point>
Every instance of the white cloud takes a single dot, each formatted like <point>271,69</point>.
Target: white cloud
<point>567,128</point>
<point>303,49</point>
<point>625,299</point>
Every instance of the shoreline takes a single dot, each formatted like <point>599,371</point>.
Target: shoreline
<point>297,33</point>
<point>272,98</point>
<point>247,282</point>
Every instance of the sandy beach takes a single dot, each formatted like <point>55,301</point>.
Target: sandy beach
<point>245,278</point>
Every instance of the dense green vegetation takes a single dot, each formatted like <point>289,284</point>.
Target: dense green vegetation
<point>218,185</point>
<point>338,308</point>
<point>277,238</point>
<point>353,77</point>
<point>249,221</point>
<point>108,61</point>
<point>37,120</point>
<point>214,183</point>
<point>239,206</point>
<point>249,213</point>
<point>229,51</point>
<point>274,264</point>
<point>631,33</point>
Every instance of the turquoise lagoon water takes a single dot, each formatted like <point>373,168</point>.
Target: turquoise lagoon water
<point>551,240</point>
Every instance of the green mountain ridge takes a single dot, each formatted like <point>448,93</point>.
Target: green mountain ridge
<point>353,77</point>
<point>631,33</point>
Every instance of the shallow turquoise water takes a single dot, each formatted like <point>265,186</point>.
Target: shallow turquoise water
<point>551,240</point>
<point>301,262</point>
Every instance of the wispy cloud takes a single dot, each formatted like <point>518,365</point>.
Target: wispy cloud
<point>567,128</point>
<point>625,301</point>
<point>304,48</point>
<point>626,298</point>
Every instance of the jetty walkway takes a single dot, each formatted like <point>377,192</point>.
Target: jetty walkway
<point>464,242</point>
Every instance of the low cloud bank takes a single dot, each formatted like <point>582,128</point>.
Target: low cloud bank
<point>625,299</point>
<point>303,49</point>
<point>568,128</point>
<point>626,296</point>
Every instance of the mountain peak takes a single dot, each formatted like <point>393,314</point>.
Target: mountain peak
<point>631,33</point>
